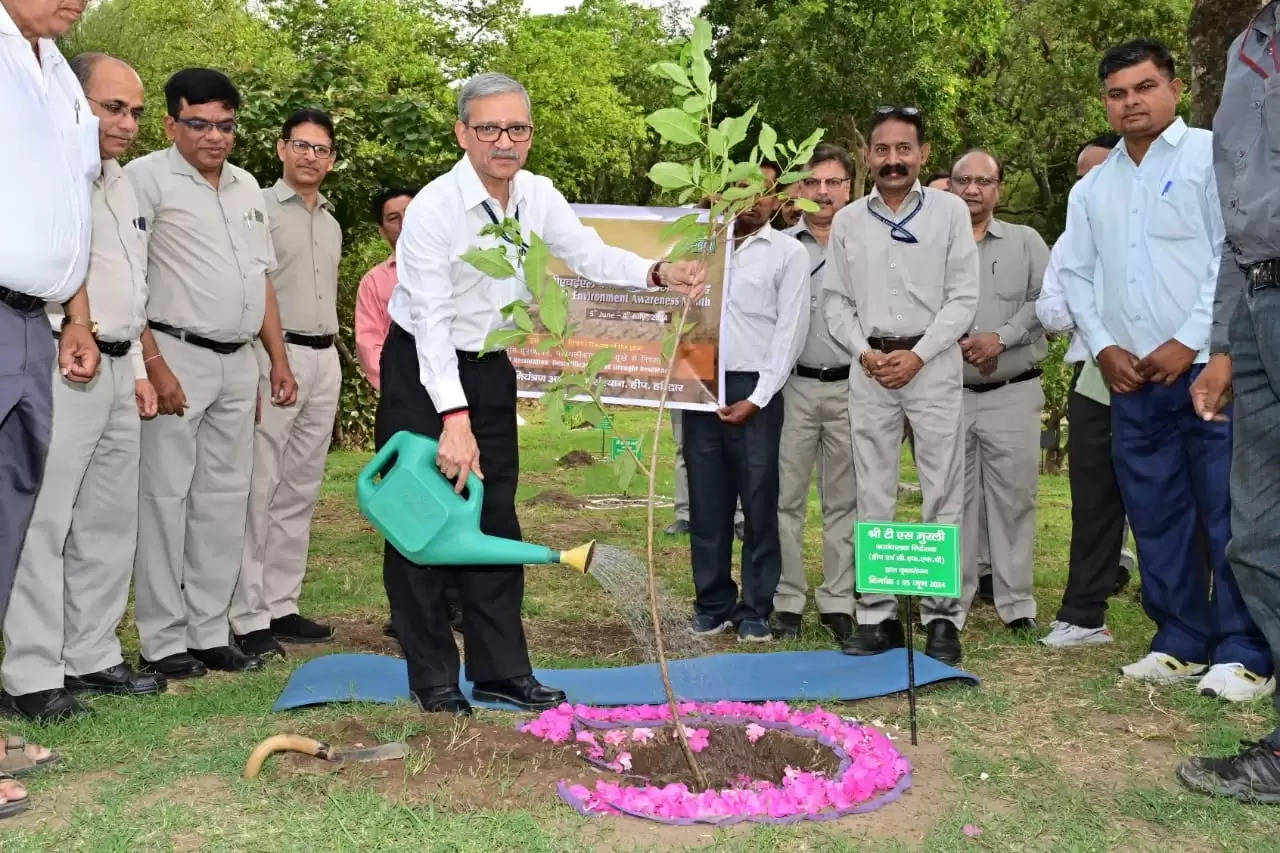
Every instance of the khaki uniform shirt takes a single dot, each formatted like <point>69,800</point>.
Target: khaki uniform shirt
<point>877,286</point>
<point>308,247</point>
<point>820,349</point>
<point>1012,259</point>
<point>209,249</point>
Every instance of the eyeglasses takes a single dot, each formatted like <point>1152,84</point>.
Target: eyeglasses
<point>118,108</point>
<point>891,110</point>
<point>199,125</point>
<point>302,146</point>
<point>981,180</point>
<point>829,183</point>
<point>491,132</point>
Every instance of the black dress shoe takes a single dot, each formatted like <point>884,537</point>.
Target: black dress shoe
<point>679,527</point>
<point>227,659</point>
<point>296,629</point>
<point>786,626</point>
<point>119,679</point>
<point>523,691</point>
<point>173,667</point>
<point>840,625</point>
<point>46,706</point>
<point>875,639</point>
<point>261,643</point>
<point>942,642</point>
<point>1024,625</point>
<point>447,700</point>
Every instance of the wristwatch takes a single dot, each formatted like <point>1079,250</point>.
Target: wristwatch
<point>1003,345</point>
<point>90,324</point>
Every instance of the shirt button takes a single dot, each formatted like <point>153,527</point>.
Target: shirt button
<point>899,316</point>
<point>893,266</point>
<point>894,292</point>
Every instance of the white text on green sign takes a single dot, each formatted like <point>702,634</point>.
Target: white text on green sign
<point>908,559</point>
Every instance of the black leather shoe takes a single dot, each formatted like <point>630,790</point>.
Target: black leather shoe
<point>786,626</point>
<point>840,625</point>
<point>296,629</point>
<point>942,642</point>
<point>120,679</point>
<point>260,643</point>
<point>679,527</point>
<point>227,659</point>
<point>1024,625</point>
<point>523,691</point>
<point>173,667</point>
<point>447,700</point>
<point>875,639</point>
<point>46,706</point>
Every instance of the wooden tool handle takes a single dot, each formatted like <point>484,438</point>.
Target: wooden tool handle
<point>283,743</point>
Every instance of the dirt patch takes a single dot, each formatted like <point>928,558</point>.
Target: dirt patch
<point>730,755</point>
<point>54,807</point>
<point>187,791</point>
<point>351,633</point>
<point>610,641</point>
<point>576,459</point>
<point>555,497</point>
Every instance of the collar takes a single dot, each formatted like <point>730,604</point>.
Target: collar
<point>7,25</point>
<point>1257,22</point>
<point>1171,136</point>
<point>391,261</point>
<point>50,56</point>
<point>473,191</point>
<point>800,229</point>
<point>111,172</point>
<point>283,192</point>
<point>179,165</point>
<point>765,233</point>
<point>916,191</point>
<point>995,228</point>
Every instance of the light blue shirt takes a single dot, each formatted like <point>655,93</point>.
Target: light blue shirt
<point>1142,246</point>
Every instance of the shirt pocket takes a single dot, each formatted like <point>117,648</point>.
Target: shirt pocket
<point>1173,218</point>
<point>751,291</point>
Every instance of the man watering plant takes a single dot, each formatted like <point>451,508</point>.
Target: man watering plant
<point>438,381</point>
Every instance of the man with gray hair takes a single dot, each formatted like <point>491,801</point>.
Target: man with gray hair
<point>437,380</point>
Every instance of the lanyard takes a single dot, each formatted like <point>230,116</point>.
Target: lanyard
<point>822,263</point>
<point>897,230</point>
<point>493,217</point>
<point>1271,48</point>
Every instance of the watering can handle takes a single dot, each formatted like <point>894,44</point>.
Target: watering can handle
<point>385,459</point>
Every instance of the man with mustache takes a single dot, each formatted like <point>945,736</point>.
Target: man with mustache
<point>816,414</point>
<point>73,578</point>
<point>900,290</point>
<point>438,380</point>
<point>210,296</point>
<point>48,161</point>
<point>1144,240</point>
<point>290,442</point>
<point>1003,400</point>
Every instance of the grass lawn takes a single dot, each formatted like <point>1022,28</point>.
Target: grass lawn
<point>1053,752</point>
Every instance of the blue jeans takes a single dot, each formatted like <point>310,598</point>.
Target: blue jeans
<point>1173,470</point>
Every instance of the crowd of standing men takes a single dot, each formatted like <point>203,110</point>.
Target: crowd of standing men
<point>193,315</point>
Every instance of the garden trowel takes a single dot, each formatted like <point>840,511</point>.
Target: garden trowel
<point>318,749</point>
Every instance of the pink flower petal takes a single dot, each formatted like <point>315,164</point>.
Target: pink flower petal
<point>972,831</point>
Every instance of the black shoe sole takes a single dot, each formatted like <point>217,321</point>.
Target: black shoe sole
<point>177,676</point>
<point>301,641</point>
<point>94,690</point>
<point>947,659</point>
<point>490,696</point>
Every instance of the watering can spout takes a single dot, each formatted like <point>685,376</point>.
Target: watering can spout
<point>413,505</point>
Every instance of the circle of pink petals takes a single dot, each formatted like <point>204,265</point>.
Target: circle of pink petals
<point>871,772</point>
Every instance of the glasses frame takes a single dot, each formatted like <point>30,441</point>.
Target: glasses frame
<point>475,128</point>
<point>302,146</point>
<point>825,183</point>
<point>977,180</point>
<point>119,108</point>
<point>200,125</point>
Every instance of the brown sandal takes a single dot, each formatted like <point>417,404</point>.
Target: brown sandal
<point>16,762</point>
<point>9,808</point>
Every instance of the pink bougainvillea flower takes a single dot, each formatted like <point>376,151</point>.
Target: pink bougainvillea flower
<point>622,761</point>
<point>755,731</point>
<point>585,736</point>
<point>972,831</point>
<point>642,735</point>
<point>614,737</point>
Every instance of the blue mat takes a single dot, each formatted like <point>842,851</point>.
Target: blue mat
<point>807,676</point>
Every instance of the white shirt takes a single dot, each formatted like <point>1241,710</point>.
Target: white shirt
<point>48,161</point>
<point>1051,307</point>
<point>766,316</point>
<point>449,305</point>
<point>1156,231</point>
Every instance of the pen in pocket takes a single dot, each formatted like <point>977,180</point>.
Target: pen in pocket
<point>1167,185</point>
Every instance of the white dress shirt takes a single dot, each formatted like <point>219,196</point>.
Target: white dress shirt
<point>1052,309</point>
<point>449,305</point>
<point>766,315</point>
<point>1155,231</point>
<point>48,161</point>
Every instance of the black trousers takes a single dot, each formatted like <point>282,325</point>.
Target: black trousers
<point>1097,514</point>
<point>490,596</point>
<point>726,463</point>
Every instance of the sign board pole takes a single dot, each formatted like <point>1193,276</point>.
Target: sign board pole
<point>911,665</point>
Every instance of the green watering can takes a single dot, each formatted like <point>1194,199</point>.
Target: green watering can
<point>413,505</point>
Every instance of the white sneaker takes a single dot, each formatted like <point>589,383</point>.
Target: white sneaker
<point>1063,635</point>
<point>1163,669</point>
<point>1231,681</point>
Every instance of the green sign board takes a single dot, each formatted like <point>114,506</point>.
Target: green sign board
<point>606,423</point>
<point>620,445</point>
<point>908,559</point>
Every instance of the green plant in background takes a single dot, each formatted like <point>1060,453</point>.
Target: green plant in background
<point>710,172</point>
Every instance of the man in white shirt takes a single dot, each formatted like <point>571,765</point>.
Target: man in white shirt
<point>438,381</point>
<point>732,453</point>
<point>1143,242</point>
<point>48,160</point>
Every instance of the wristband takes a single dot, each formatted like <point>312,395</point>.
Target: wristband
<point>655,280</point>
<point>445,417</point>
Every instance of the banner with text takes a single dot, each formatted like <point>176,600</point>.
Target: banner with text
<point>634,322</point>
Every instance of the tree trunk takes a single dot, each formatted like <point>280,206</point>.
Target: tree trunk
<point>1214,25</point>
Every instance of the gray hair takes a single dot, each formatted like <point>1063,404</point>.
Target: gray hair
<point>485,85</point>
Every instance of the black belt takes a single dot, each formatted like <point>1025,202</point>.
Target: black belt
<point>115,349</point>
<point>1263,274</point>
<point>984,387</point>
<point>20,301</point>
<point>220,347</point>
<point>823,374</point>
<point>894,344</point>
<point>481,356</point>
<point>313,341</point>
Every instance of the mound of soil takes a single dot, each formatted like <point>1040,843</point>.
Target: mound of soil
<point>576,459</point>
<point>555,497</point>
<point>729,755</point>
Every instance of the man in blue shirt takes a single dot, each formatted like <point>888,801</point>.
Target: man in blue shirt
<point>1148,219</point>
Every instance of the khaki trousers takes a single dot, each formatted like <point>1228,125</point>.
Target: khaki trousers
<point>1002,480</point>
<point>932,403</point>
<point>289,449</point>
<point>816,431</point>
<point>193,492</point>
<point>72,583</point>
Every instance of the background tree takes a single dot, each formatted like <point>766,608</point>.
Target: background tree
<point>1214,25</point>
